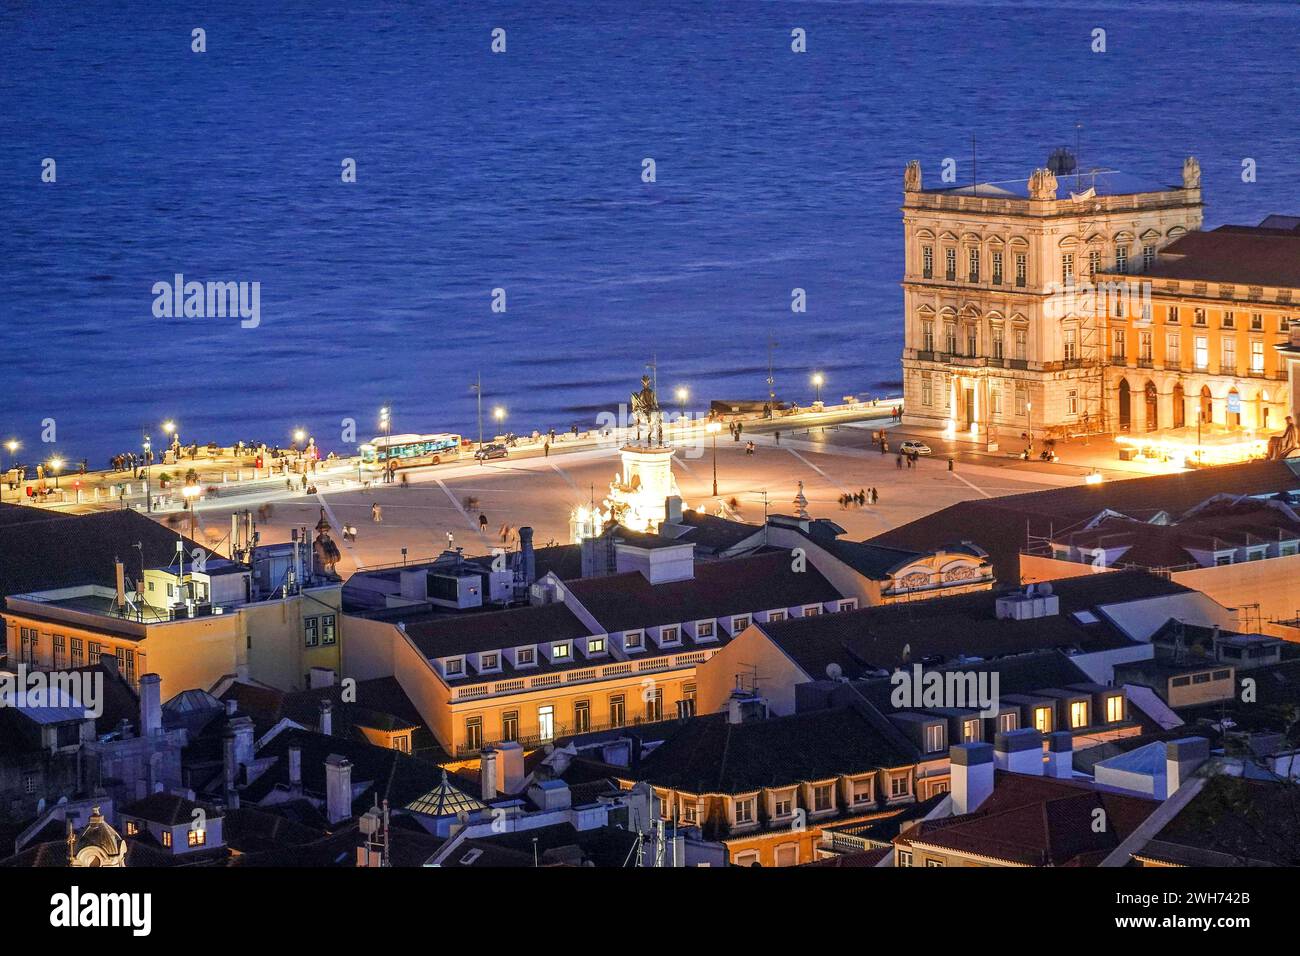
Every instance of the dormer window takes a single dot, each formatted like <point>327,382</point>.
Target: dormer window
<point>822,798</point>
<point>596,645</point>
<point>489,662</point>
<point>669,635</point>
<point>738,624</point>
<point>745,811</point>
<point>934,738</point>
<point>812,610</point>
<point>559,652</point>
<point>704,630</point>
<point>776,616</point>
<point>455,665</point>
<point>525,655</point>
<point>848,605</point>
<point>1114,709</point>
<point>633,640</point>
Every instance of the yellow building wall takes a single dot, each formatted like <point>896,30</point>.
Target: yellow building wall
<point>1035,568</point>
<point>1273,584</point>
<point>751,655</point>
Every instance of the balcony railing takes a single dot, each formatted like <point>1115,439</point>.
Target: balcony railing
<point>532,741</point>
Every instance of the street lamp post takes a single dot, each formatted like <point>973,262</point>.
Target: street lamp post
<point>385,426</point>
<point>478,394</point>
<point>148,456</point>
<point>713,428</point>
<point>1029,410</point>
<point>12,445</point>
<point>55,465</point>
<point>191,494</point>
<point>499,415</point>
<point>818,380</point>
<point>682,396</point>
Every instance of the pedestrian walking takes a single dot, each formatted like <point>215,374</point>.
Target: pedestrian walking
<point>900,462</point>
<point>376,513</point>
<point>778,437</point>
<point>482,524</point>
<point>451,541</point>
<point>546,449</point>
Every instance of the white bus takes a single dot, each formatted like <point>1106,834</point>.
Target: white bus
<point>407,451</point>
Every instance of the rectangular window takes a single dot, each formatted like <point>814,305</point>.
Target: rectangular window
<point>1202,352</point>
<point>328,634</point>
<point>581,716</point>
<point>1078,714</point>
<point>1173,314</point>
<point>738,624</point>
<point>950,338</point>
<point>60,650</point>
<point>1121,259</point>
<point>822,798</point>
<point>617,710</point>
<point>1022,344</point>
<point>669,635</point>
<point>524,655</point>
<point>1117,348</point>
<point>950,261</point>
<point>1148,256</point>
<point>973,259</point>
<point>745,811</point>
<point>1022,402</point>
<point>1229,355</point>
<point>997,268</point>
<point>782,807</point>
<point>310,632</point>
<point>546,722</point>
<point>1071,345</point>
<point>1229,320</point>
<point>898,786</point>
<point>167,838</point>
<point>1008,722</point>
<point>596,645</point>
<point>1146,348</point>
<point>927,335</point>
<point>126,663</point>
<point>1257,322</point>
<point>704,629</point>
<point>93,651</point>
<point>904,858</point>
<point>997,343</point>
<point>1022,270</point>
<point>934,738</point>
<point>970,732</point>
<point>1043,720</point>
<point>1067,267</point>
<point>1172,342</point>
<point>1072,401</point>
<point>1257,357</point>
<point>510,725</point>
<point>927,262</point>
<point>632,640</point>
<point>927,395</point>
<point>473,733</point>
<point>559,651</point>
<point>1114,709</point>
<point>455,666</point>
<point>197,837</point>
<point>1094,262</point>
<point>488,662</point>
<point>1198,317</point>
<point>654,705</point>
<point>78,652</point>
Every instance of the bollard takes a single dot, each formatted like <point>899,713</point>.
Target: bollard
<point>950,467</point>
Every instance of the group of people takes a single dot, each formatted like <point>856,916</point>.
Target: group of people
<point>864,496</point>
<point>131,461</point>
<point>910,457</point>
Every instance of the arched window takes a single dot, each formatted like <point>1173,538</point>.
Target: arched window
<point>1207,405</point>
<point>1125,406</point>
<point>1180,406</point>
<point>1153,407</point>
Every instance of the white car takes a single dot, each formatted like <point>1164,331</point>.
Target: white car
<point>914,448</point>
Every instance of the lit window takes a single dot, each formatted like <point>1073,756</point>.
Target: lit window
<point>197,837</point>
<point>559,651</point>
<point>310,632</point>
<point>1079,713</point>
<point>1043,719</point>
<point>167,838</point>
<point>1114,709</point>
<point>596,645</point>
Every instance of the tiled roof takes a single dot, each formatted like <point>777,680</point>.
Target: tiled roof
<point>710,755</point>
<point>1244,820</point>
<point>1002,526</point>
<point>876,637</point>
<point>446,635</point>
<point>1239,255</point>
<point>1038,821</point>
<point>168,809</point>
<point>718,589</point>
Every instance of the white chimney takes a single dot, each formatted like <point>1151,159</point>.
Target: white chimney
<point>150,705</point>
<point>1019,751</point>
<point>338,789</point>
<point>295,769</point>
<point>242,727</point>
<point>326,718</point>
<point>488,773</point>
<point>1182,757</point>
<point>971,767</point>
<point>321,677</point>
<point>1060,755</point>
<point>510,767</point>
<point>551,795</point>
<point>673,509</point>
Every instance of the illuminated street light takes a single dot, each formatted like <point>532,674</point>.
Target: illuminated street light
<point>55,465</point>
<point>713,428</point>
<point>499,413</point>
<point>191,492</point>
<point>385,426</point>
<point>818,380</point>
<point>682,395</point>
<point>12,445</point>
<point>148,457</point>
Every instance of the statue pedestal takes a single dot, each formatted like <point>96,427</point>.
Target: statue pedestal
<point>647,483</point>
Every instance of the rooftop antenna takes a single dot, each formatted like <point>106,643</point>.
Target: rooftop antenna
<point>974,179</point>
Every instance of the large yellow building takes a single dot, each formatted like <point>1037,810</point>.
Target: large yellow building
<point>996,342</point>
<point>1198,371</point>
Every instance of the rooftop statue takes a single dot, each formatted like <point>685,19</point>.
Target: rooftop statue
<point>1279,446</point>
<point>912,177</point>
<point>1191,173</point>
<point>1042,184</point>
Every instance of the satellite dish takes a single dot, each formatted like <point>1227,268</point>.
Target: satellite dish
<point>834,671</point>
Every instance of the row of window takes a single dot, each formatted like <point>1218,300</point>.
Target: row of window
<point>1227,319</point>
<point>319,631</point>
<point>548,728</point>
<point>974,261</point>
<point>194,837</point>
<point>71,652</point>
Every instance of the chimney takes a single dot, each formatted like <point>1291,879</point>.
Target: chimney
<point>529,557</point>
<point>488,773</point>
<point>119,573</point>
<point>1019,751</point>
<point>230,766</point>
<point>319,677</point>
<point>150,705</point>
<point>1060,755</point>
<point>232,706</point>
<point>295,769</point>
<point>243,731</point>
<point>1182,757</point>
<point>326,718</point>
<point>673,509</point>
<point>510,764</point>
<point>338,789</point>
<point>971,767</point>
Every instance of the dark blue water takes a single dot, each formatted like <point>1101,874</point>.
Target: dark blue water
<point>523,171</point>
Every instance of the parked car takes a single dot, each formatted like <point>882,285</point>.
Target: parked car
<point>912,447</point>
<point>492,451</point>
